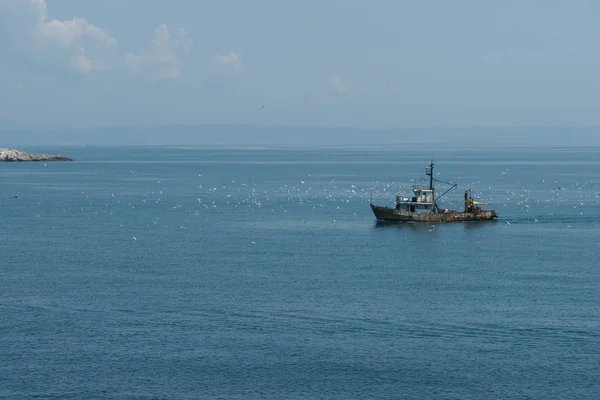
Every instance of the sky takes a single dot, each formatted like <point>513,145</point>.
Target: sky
<point>381,64</point>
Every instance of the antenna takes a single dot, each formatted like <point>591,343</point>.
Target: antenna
<point>429,173</point>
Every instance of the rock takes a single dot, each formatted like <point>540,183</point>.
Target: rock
<point>17,155</point>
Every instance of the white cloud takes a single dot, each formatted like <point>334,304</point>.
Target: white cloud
<point>336,82</point>
<point>164,54</point>
<point>231,60</point>
<point>68,33</point>
<point>26,33</point>
<point>75,42</point>
<point>84,64</point>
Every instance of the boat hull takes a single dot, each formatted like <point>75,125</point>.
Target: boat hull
<point>391,214</point>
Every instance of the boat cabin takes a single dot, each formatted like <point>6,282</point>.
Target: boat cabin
<point>421,201</point>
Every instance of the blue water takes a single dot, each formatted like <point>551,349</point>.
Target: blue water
<point>185,273</point>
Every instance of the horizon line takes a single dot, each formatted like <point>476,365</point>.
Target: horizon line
<point>284,126</point>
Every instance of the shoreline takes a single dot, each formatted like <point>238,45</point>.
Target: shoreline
<point>14,155</point>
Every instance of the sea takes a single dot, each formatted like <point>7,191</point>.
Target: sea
<point>261,273</point>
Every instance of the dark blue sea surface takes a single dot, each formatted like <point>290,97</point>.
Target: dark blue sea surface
<point>185,273</point>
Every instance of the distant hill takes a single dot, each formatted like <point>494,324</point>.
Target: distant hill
<point>305,136</point>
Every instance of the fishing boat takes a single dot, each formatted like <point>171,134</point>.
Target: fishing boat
<point>422,206</point>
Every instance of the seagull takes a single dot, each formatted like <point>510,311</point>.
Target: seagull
<point>263,106</point>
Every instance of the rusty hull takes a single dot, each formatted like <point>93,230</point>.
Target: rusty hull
<point>391,214</point>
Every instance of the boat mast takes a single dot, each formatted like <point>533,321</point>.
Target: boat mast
<point>429,172</point>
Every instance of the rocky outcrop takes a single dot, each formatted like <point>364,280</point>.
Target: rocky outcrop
<point>17,155</point>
